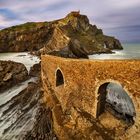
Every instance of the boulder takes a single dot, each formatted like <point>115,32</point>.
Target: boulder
<point>1,69</point>
<point>35,70</point>
<point>7,77</point>
<point>11,73</point>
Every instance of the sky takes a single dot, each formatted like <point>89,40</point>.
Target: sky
<point>120,18</point>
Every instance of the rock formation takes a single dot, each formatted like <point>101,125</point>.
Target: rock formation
<point>11,73</point>
<point>72,36</point>
<point>25,116</point>
<point>35,70</point>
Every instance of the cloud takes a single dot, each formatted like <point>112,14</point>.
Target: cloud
<point>7,13</point>
<point>110,15</point>
<point>129,34</point>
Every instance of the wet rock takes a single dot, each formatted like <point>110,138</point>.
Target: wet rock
<point>62,53</point>
<point>78,50</point>
<point>7,77</point>
<point>11,73</point>
<point>1,69</point>
<point>31,118</point>
<point>35,70</point>
<point>42,129</point>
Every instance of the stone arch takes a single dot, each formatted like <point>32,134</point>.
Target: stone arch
<point>117,99</point>
<point>59,78</point>
<point>101,99</point>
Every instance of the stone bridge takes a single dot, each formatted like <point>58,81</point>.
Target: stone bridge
<point>71,89</point>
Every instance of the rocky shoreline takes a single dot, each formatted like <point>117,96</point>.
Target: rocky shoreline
<point>22,115</point>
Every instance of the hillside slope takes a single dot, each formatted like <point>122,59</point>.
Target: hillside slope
<point>73,35</point>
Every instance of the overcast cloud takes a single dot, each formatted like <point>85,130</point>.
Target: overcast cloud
<point>120,18</point>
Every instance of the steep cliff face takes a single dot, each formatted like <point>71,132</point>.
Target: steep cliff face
<point>25,37</point>
<point>72,36</point>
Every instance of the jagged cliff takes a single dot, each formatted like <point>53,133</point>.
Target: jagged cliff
<point>72,36</point>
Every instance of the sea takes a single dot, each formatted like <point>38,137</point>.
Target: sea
<point>21,57</point>
<point>130,51</point>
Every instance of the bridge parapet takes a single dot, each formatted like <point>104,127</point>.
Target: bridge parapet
<point>80,82</point>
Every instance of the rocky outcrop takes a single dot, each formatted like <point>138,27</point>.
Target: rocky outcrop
<point>35,70</point>
<point>72,36</point>
<point>42,129</point>
<point>29,116</point>
<point>11,73</point>
<point>25,37</point>
<point>32,97</point>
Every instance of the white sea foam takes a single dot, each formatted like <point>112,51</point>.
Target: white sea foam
<point>22,57</point>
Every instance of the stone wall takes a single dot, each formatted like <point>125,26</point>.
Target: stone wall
<point>74,103</point>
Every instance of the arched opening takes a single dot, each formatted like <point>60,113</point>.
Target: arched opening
<point>114,99</point>
<point>59,78</point>
<point>26,50</point>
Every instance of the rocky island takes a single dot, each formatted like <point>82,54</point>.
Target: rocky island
<point>72,36</point>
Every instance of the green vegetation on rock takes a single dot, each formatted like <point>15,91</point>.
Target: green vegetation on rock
<point>64,34</point>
